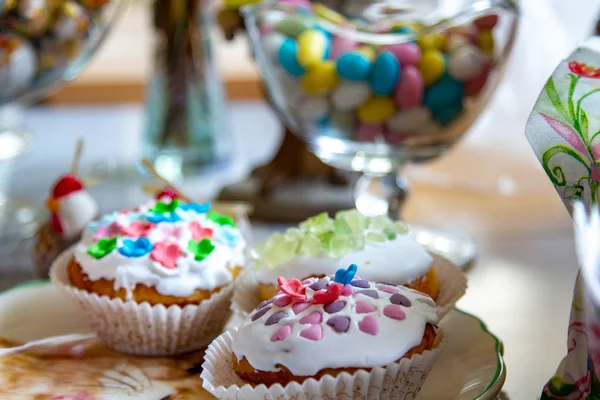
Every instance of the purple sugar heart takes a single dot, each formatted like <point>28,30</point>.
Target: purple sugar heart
<point>387,283</point>
<point>360,283</point>
<point>369,325</point>
<point>283,301</point>
<point>362,307</point>
<point>400,299</point>
<point>276,317</point>
<point>319,285</point>
<point>299,307</point>
<point>334,307</point>
<point>313,332</point>
<point>314,317</point>
<point>259,313</point>
<point>282,333</point>
<point>339,324</point>
<point>370,293</point>
<point>394,311</point>
<point>264,304</point>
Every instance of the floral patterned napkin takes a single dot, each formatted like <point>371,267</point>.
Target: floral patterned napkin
<point>564,132</point>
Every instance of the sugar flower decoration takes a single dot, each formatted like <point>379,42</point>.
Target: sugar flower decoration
<point>135,248</point>
<point>107,231</point>
<point>198,208</point>
<point>292,288</point>
<point>334,290</point>
<point>166,254</point>
<point>199,232</point>
<point>137,229</point>
<point>228,236</point>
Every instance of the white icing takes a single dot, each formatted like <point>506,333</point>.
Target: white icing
<point>400,261</point>
<point>76,211</point>
<point>354,348</point>
<point>189,274</point>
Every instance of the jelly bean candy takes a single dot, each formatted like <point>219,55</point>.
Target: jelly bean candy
<point>474,86</point>
<point>384,74</point>
<point>455,42</point>
<point>271,44</point>
<point>349,95</point>
<point>297,3</point>
<point>344,122</point>
<point>312,46</point>
<point>313,109</point>
<point>486,21</point>
<point>320,79</point>
<point>293,26</point>
<point>328,14</point>
<point>376,110</point>
<point>287,56</point>
<point>409,120</point>
<point>466,63</point>
<point>367,51</point>
<point>486,41</point>
<point>406,53</point>
<point>369,132</point>
<point>409,92</point>
<point>431,41</point>
<point>290,87</point>
<point>341,45</point>
<point>445,116</point>
<point>432,66</point>
<point>444,93</point>
<point>353,66</point>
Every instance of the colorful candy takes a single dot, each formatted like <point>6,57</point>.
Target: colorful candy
<point>370,92</point>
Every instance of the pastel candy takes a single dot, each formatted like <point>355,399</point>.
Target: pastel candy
<point>260,313</point>
<point>353,66</point>
<point>264,304</point>
<point>369,325</point>
<point>282,333</point>
<point>466,63</point>
<point>455,42</point>
<point>446,92</point>
<point>297,3</point>
<point>486,21</point>
<point>314,317</point>
<point>328,14</point>
<point>282,301</point>
<point>335,307</point>
<point>445,116</point>
<point>432,66</point>
<point>312,46</point>
<point>271,45</point>
<point>347,290</point>
<point>349,95</point>
<point>293,26</point>
<point>474,86</point>
<point>431,41</point>
<point>369,132</point>
<point>400,299</point>
<point>409,120</point>
<point>411,88</point>
<point>360,283</point>
<point>363,307</point>
<point>486,41</point>
<point>384,74</point>
<point>320,79</point>
<point>394,311</point>
<point>376,110</point>
<point>405,53</point>
<point>340,45</point>
<point>339,324</point>
<point>388,289</point>
<point>370,293</point>
<point>313,332</point>
<point>313,109</point>
<point>275,317</point>
<point>319,285</point>
<point>287,56</point>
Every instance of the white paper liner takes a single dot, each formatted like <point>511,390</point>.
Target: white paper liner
<point>396,381</point>
<point>142,329</point>
<point>453,285</point>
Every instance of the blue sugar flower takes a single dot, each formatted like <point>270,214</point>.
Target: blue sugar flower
<point>135,248</point>
<point>199,208</point>
<point>227,235</point>
<point>165,217</point>
<point>344,276</point>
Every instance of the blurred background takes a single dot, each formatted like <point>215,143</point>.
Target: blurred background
<point>488,189</point>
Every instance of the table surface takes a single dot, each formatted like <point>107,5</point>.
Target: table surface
<point>521,284</point>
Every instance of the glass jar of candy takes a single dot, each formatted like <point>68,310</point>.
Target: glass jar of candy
<point>371,86</point>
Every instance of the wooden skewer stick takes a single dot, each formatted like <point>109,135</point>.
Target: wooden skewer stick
<point>77,157</point>
<point>149,166</point>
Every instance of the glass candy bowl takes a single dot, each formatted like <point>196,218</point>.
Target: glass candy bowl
<point>43,43</point>
<point>371,86</point>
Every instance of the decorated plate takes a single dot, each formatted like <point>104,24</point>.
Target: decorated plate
<point>81,368</point>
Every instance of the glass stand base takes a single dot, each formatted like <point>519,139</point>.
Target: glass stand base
<point>460,250</point>
<point>18,220</point>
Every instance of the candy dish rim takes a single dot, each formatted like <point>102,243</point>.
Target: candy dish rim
<point>479,7</point>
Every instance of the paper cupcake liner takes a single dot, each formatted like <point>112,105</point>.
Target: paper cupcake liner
<point>396,381</point>
<point>453,285</point>
<point>142,329</point>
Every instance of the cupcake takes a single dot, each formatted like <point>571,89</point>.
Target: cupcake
<point>312,332</point>
<point>384,250</point>
<point>156,279</point>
